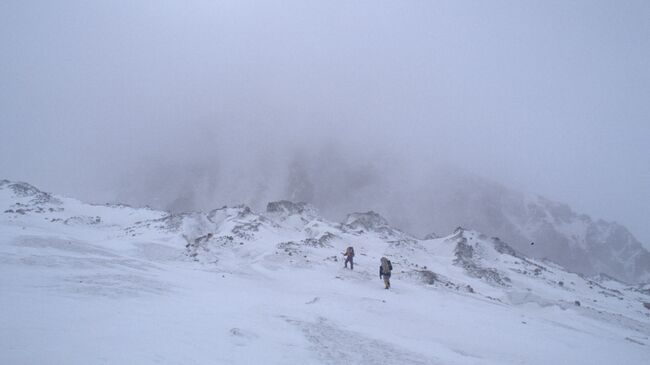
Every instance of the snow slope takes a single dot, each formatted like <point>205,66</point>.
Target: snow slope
<point>586,245</point>
<point>96,284</point>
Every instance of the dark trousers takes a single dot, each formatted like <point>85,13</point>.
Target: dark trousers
<point>387,281</point>
<point>351,261</point>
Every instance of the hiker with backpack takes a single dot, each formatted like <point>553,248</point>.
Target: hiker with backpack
<point>384,271</point>
<point>349,257</point>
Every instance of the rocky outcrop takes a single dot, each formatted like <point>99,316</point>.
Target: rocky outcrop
<point>290,208</point>
<point>369,221</point>
<point>468,258</point>
<point>25,190</point>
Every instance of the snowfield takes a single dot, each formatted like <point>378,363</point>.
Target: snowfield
<point>89,284</point>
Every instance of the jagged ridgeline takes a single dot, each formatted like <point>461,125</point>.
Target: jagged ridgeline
<point>575,241</point>
<point>293,234</point>
<point>285,265</point>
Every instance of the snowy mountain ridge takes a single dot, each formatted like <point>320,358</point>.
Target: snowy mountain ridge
<point>571,239</point>
<point>454,198</point>
<point>281,270</point>
<point>586,245</point>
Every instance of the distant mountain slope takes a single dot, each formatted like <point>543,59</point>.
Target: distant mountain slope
<point>295,234</point>
<point>573,240</point>
<point>447,197</point>
<point>419,201</point>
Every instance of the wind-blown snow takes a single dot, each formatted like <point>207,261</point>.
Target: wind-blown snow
<point>112,284</point>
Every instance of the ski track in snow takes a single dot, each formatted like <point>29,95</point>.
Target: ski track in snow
<point>337,346</point>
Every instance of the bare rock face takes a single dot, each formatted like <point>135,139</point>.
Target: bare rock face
<point>82,220</point>
<point>25,190</point>
<point>28,200</point>
<point>360,223</point>
<point>322,241</point>
<point>428,277</point>
<point>468,258</point>
<point>503,247</point>
<point>369,221</point>
<point>644,288</point>
<point>431,236</point>
<point>290,208</point>
<point>582,244</point>
<point>573,240</point>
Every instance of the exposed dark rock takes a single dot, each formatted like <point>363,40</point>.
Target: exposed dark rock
<point>644,290</point>
<point>322,241</point>
<point>244,211</point>
<point>504,248</point>
<point>428,276</point>
<point>465,258</point>
<point>369,221</point>
<point>404,242</point>
<point>79,220</point>
<point>431,236</point>
<point>289,208</point>
<point>25,190</point>
<point>327,237</point>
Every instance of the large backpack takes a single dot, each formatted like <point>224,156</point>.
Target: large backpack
<point>350,252</point>
<point>386,266</point>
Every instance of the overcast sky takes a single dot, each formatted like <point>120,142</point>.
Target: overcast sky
<point>103,100</point>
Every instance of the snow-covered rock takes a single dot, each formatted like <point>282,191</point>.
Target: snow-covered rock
<point>238,286</point>
<point>290,208</point>
<point>557,233</point>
